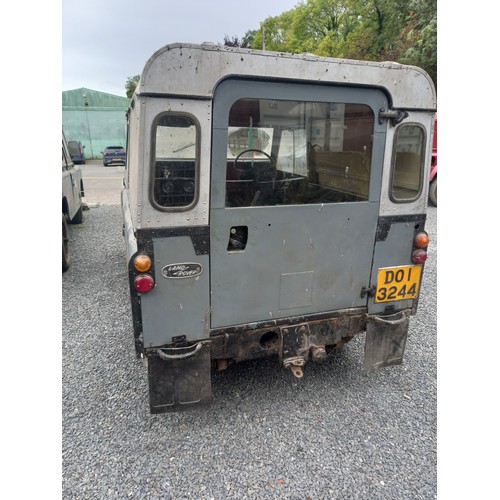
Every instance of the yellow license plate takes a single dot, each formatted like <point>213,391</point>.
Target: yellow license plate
<point>398,283</point>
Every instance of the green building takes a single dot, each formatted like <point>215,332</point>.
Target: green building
<point>96,119</point>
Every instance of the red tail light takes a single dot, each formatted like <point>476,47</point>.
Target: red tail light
<point>420,244</point>
<point>144,283</point>
<point>419,256</point>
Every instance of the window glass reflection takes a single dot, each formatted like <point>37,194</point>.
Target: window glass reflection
<point>292,152</point>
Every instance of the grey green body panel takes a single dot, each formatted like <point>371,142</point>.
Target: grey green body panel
<point>300,259</point>
<point>180,305</point>
<point>394,239</point>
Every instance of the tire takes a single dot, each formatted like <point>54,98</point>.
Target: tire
<point>78,218</point>
<point>433,192</point>
<point>65,244</point>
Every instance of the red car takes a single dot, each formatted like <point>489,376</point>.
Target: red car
<point>433,186</point>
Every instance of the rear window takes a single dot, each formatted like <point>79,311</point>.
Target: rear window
<point>283,152</point>
<point>73,148</point>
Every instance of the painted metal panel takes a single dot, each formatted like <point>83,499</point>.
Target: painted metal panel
<point>144,214</point>
<point>388,207</point>
<point>394,249</point>
<point>177,306</point>
<point>299,259</point>
<point>195,70</point>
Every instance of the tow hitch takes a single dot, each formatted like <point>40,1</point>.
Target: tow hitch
<point>298,345</point>
<point>295,365</point>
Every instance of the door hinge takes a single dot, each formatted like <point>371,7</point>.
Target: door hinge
<point>395,116</point>
<point>370,291</point>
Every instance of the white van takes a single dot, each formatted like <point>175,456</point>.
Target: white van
<point>274,205</point>
<point>72,205</point>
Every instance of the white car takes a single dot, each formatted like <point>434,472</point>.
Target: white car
<point>72,204</point>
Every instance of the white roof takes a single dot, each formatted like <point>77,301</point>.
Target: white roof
<point>194,70</point>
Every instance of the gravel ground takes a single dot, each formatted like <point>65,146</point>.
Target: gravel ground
<point>335,434</point>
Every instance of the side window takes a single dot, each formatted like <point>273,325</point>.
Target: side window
<point>298,152</point>
<point>407,163</point>
<point>175,158</point>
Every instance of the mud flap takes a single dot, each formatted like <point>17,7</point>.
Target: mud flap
<point>180,378</point>
<point>385,340</point>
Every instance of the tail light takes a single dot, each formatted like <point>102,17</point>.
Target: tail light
<point>419,256</point>
<point>420,244</point>
<point>421,240</point>
<point>143,283</point>
<point>142,263</point>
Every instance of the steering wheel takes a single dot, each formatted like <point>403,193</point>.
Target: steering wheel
<point>271,172</point>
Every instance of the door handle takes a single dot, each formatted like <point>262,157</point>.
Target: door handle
<point>238,236</point>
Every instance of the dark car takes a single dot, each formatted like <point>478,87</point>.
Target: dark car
<point>76,152</point>
<point>114,155</point>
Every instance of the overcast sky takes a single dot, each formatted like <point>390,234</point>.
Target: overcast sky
<point>106,41</point>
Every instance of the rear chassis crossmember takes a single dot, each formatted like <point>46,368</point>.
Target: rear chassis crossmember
<point>180,374</point>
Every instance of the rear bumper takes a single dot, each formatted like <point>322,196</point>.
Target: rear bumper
<point>180,376</point>
<point>115,162</point>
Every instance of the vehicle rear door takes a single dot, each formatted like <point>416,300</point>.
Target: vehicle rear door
<point>295,195</point>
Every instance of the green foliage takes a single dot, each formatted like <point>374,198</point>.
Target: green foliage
<point>404,31</point>
<point>131,85</point>
<point>378,30</point>
<point>418,42</point>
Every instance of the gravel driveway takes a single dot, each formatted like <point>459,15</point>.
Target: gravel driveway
<point>335,434</point>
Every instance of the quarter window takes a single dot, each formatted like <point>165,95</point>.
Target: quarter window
<point>175,161</point>
<point>408,161</point>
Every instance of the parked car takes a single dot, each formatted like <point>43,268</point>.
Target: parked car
<point>433,186</point>
<point>114,155</point>
<point>76,151</point>
<point>72,204</point>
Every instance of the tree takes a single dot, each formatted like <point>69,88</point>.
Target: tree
<point>274,34</point>
<point>404,31</point>
<point>418,40</point>
<point>248,38</point>
<point>131,85</point>
<point>234,41</point>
